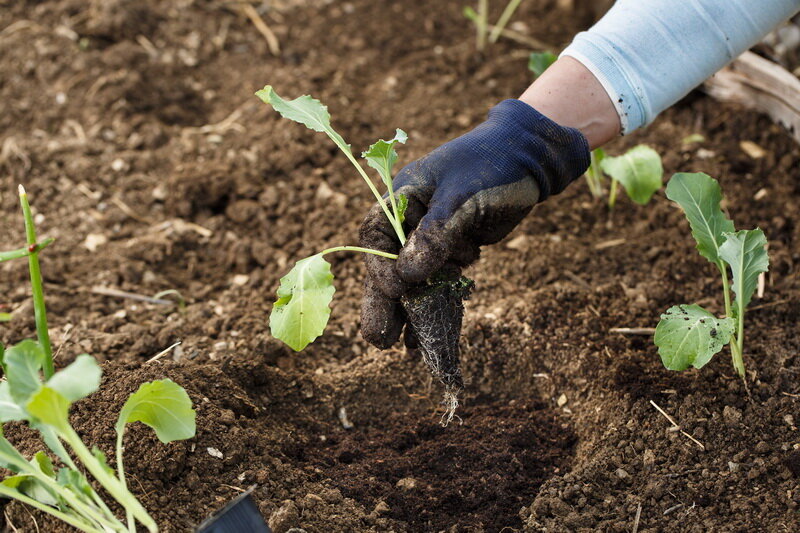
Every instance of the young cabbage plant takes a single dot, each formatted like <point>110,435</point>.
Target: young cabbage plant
<point>435,309</point>
<point>302,310</point>
<point>30,393</point>
<point>639,170</point>
<point>689,335</point>
<point>538,62</point>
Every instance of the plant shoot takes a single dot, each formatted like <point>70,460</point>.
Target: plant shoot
<point>639,170</point>
<point>32,392</point>
<point>689,335</point>
<point>302,310</point>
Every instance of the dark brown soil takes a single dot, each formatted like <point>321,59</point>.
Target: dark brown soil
<point>133,126</point>
<point>477,474</point>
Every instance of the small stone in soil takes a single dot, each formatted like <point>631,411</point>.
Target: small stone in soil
<point>407,483</point>
<point>284,518</point>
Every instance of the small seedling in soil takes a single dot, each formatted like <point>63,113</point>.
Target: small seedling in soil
<point>481,20</point>
<point>538,62</point>
<point>639,170</point>
<point>32,392</point>
<point>689,335</point>
<point>435,310</point>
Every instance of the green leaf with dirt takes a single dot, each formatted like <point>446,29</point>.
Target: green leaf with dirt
<point>688,335</point>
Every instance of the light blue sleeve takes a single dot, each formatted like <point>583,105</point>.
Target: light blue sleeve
<point>648,54</point>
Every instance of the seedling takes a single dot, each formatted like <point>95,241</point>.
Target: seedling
<point>481,20</point>
<point>302,309</point>
<point>42,398</point>
<point>639,170</point>
<point>538,62</point>
<point>689,335</point>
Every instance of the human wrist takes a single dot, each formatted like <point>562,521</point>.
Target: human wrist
<point>568,94</point>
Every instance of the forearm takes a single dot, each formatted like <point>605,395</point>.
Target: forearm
<point>648,54</point>
<point>570,95</point>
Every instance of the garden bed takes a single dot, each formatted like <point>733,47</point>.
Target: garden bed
<point>134,127</point>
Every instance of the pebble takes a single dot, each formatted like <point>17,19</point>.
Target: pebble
<point>312,500</point>
<point>407,483</point>
<point>649,458</point>
<point>282,520</point>
<point>332,496</point>
<point>732,416</point>
<point>381,508</point>
<point>213,452</point>
<point>762,448</point>
<point>94,240</point>
<point>227,417</point>
<point>622,474</point>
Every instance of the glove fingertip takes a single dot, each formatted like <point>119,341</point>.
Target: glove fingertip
<point>381,319</point>
<point>421,257</point>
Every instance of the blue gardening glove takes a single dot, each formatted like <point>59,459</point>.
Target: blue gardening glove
<point>468,192</point>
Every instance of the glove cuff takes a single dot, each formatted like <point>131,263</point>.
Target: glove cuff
<point>553,155</point>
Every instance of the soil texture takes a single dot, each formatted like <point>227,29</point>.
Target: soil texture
<point>134,127</point>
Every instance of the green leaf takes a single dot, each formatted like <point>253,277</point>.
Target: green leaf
<point>699,195</point>
<point>15,481</point>
<point>101,458</point>
<point>22,363</point>
<point>382,156</point>
<point>538,62</point>
<point>10,458</point>
<point>74,480</point>
<point>5,317</point>
<point>688,335</point>
<point>402,205</point>
<point>470,13</point>
<point>34,488</point>
<point>302,310</point>
<point>78,380</point>
<point>746,254</point>
<point>164,406</point>
<point>51,408</point>
<point>639,170</point>
<point>51,440</point>
<point>43,463</point>
<point>9,409</point>
<point>306,110</point>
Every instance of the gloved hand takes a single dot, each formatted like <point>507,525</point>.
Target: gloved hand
<point>468,192</point>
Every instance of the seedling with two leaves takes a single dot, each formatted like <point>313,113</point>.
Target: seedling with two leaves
<point>33,392</point>
<point>302,310</point>
<point>434,310</point>
<point>639,170</point>
<point>689,335</point>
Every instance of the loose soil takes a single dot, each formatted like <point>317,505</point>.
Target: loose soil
<point>134,128</point>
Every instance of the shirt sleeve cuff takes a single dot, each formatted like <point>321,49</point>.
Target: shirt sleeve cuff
<point>622,87</point>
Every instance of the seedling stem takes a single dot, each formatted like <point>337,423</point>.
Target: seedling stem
<point>39,309</point>
<point>359,249</point>
<point>503,20</point>
<point>482,24</point>
<point>612,194</point>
